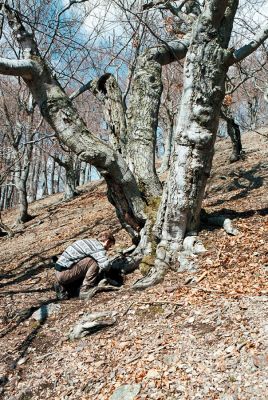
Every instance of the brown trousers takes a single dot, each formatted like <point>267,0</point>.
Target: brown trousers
<point>86,269</point>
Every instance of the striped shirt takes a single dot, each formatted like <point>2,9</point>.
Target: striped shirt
<point>81,249</point>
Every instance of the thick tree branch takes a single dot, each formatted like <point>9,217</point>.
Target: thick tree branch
<point>249,48</point>
<point>142,113</point>
<point>23,68</point>
<point>171,51</point>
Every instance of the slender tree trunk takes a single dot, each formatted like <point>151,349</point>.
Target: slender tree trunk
<point>82,176</point>
<point>234,133</point>
<point>59,172</point>
<point>52,176</point>
<point>253,106</point>
<point>88,173</point>
<point>36,178</point>
<point>23,202</point>
<point>70,177</point>
<point>9,196</point>
<point>21,178</point>
<point>2,196</point>
<point>31,181</point>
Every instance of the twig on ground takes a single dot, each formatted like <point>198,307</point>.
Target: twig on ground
<point>201,277</point>
<point>162,302</point>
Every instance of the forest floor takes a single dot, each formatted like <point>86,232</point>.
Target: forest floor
<point>183,339</point>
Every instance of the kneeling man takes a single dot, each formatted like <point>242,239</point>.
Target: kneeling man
<point>82,263</point>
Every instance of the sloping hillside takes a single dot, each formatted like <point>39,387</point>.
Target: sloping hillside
<point>200,335</point>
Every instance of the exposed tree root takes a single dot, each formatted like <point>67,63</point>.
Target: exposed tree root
<point>5,228</point>
<point>223,222</point>
<point>155,275</point>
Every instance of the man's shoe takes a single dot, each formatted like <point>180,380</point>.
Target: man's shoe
<point>103,282</point>
<point>61,293</point>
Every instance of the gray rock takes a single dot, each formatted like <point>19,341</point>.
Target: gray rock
<point>153,374</point>
<point>45,311</point>
<point>126,392</point>
<point>91,323</point>
<point>171,359</point>
<point>228,397</point>
<point>186,263</point>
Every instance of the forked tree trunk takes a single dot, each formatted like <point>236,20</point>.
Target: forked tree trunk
<point>205,71</point>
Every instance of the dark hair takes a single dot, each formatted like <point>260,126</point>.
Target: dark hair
<point>107,235</point>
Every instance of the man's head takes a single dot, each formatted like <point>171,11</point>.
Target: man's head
<point>107,239</point>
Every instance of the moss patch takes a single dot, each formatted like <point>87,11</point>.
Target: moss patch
<point>151,312</point>
<point>146,264</point>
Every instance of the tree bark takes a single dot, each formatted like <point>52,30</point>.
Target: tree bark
<point>169,142</point>
<point>109,93</point>
<point>142,122</point>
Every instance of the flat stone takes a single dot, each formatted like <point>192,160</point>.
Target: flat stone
<point>230,349</point>
<point>126,392</point>
<point>46,311</point>
<point>153,374</point>
<point>171,359</point>
<point>91,323</point>
<point>260,360</point>
<point>227,397</point>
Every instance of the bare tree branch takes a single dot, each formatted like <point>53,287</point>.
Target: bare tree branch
<point>82,89</point>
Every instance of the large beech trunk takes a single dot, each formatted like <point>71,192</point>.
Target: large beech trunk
<point>205,71</point>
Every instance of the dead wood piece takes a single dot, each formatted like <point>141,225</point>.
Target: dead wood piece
<point>228,227</point>
<point>192,245</point>
<point>5,228</point>
<point>162,302</point>
<point>201,277</point>
<point>195,280</point>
